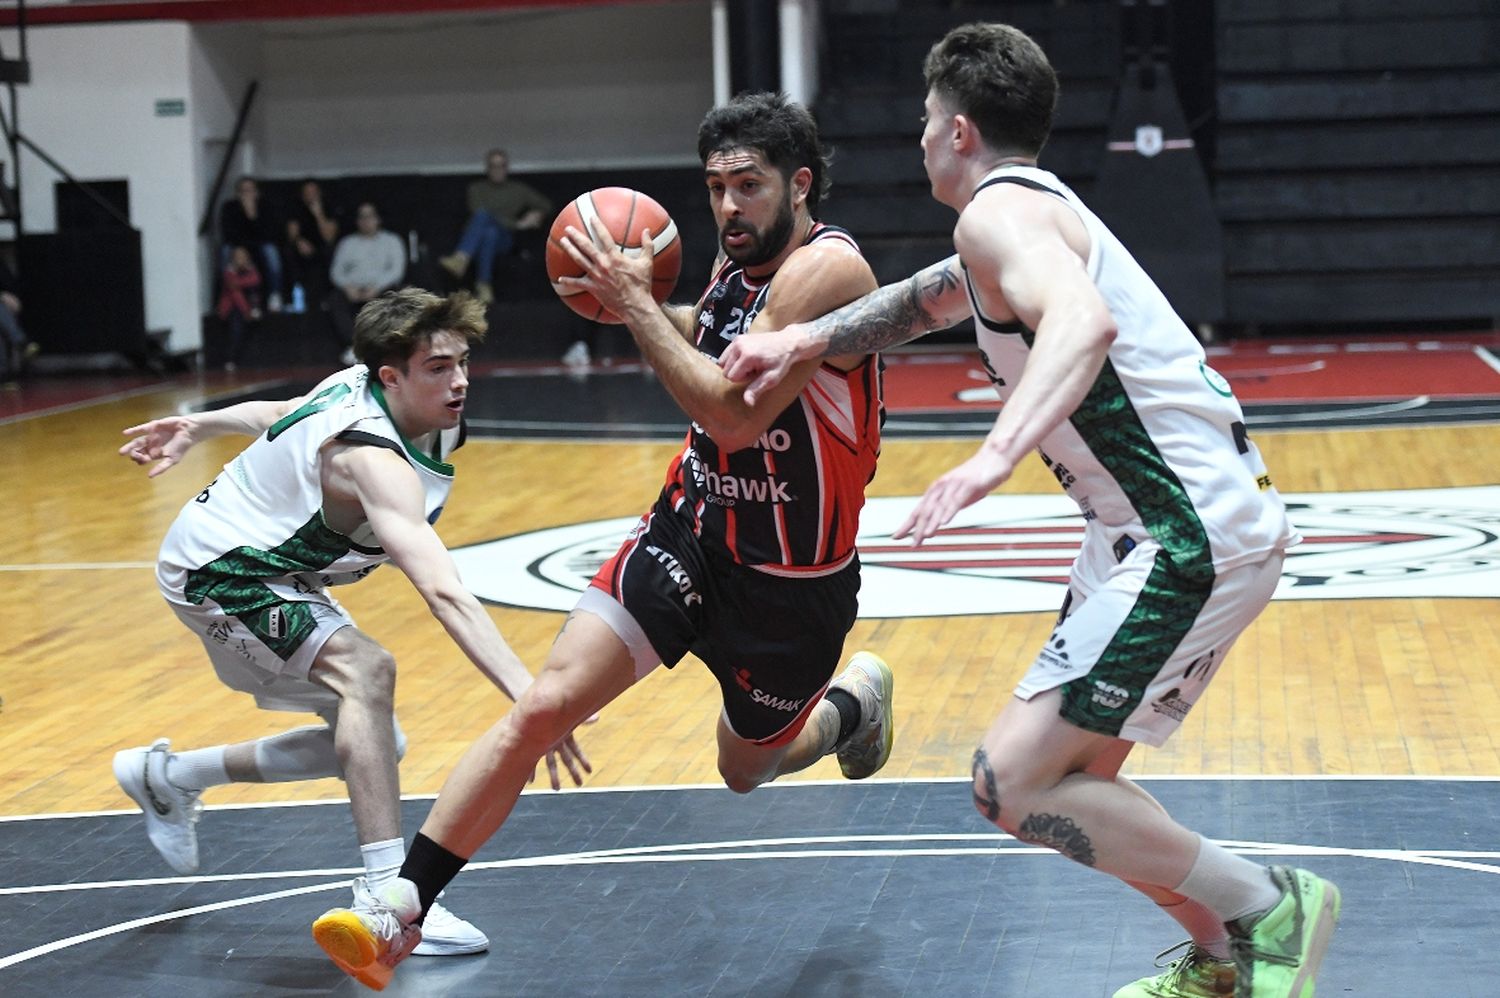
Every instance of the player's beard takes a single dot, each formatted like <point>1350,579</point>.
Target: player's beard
<point>763,247</point>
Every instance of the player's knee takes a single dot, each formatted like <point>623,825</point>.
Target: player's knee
<point>544,714</point>
<point>739,779</point>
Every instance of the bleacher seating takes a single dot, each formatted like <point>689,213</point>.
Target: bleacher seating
<point>1350,144</point>
<point>526,320</point>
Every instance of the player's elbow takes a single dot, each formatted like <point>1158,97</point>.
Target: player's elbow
<point>735,434</point>
<point>1106,329</point>
<point>448,601</point>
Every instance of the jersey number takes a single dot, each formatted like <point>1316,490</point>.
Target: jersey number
<point>316,404</point>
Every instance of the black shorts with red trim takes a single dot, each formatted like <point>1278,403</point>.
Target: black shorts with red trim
<point>772,642</point>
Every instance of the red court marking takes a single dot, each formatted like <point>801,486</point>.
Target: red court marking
<point>1354,369</point>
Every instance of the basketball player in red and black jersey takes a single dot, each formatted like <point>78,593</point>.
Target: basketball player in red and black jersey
<point>747,558</point>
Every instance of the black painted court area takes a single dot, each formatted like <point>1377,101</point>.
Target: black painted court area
<point>856,890</point>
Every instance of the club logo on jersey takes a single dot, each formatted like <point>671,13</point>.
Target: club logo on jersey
<point>1011,553</point>
<point>1172,704</point>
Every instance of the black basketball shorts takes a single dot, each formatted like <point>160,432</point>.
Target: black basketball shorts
<point>772,642</point>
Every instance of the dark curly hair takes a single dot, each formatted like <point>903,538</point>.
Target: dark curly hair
<point>775,126</point>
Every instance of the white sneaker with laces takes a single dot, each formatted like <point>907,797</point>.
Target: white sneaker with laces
<point>868,679</point>
<point>171,813</point>
<point>445,934</point>
<point>368,939</point>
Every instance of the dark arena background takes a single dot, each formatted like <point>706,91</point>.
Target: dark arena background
<point>1314,185</point>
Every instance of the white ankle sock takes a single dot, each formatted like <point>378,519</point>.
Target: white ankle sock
<point>197,769</point>
<point>382,861</point>
<point>1228,885</point>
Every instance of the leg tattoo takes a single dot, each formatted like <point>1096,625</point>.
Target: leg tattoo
<point>1057,832</point>
<point>988,802</point>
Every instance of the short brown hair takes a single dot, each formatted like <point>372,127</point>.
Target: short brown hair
<point>392,327</point>
<point>1000,79</point>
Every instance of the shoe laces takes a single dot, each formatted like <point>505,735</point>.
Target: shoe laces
<point>1162,963</point>
<point>379,916</point>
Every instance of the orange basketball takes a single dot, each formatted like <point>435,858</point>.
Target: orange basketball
<point>624,214</point>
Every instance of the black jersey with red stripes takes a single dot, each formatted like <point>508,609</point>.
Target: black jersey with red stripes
<point>790,502</point>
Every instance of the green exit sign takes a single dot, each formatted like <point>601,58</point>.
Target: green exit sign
<point>171,107</point>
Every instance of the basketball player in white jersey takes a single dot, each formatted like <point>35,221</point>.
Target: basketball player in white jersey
<point>1184,536</point>
<point>348,477</point>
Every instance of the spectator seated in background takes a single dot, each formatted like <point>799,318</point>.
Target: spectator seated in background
<point>16,350</point>
<point>311,233</point>
<point>243,221</point>
<point>499,207</point>
<point>366,263</point>
<point>239,300</point>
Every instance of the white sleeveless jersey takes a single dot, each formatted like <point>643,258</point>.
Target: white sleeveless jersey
<point>1158,448</point>
<point>256,534</point>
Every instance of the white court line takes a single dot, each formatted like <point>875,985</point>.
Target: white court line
<point>1265,372</point>
<point>793,785</point>
<point>1373,410</point>
<point>657,854</point>
<point>1489,358</point>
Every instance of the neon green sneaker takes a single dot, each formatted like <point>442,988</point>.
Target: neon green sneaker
<point>1195,974</point>
<point>1276,954</point>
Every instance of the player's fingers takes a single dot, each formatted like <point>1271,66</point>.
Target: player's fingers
<point>136,430</point>
<point>648,247</point>
<point>552,771</point>
<point>763,383</point>
<point>578,248</point>
<point>160,467</point>
<point>577,754</point>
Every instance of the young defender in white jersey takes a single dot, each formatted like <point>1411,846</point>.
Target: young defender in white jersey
<point>1184,535</point>
<point>352,475</point>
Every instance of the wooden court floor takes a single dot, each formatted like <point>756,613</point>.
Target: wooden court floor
<point>91,660</point>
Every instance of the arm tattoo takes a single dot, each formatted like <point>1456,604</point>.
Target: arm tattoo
<point>988,801</point>
<point>889,316</point>
<point>1057,832</point>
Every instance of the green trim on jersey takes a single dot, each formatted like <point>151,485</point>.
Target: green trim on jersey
<point>1168,606</point>
<point>429,463</point>
<point>1112,430</point>
<point>233,580</point>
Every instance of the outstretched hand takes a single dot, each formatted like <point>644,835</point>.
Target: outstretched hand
<point>613,274</point>
<point>572,757</point>
<point>162,440</point>
<point>762,359</point>
<point>960,487</point>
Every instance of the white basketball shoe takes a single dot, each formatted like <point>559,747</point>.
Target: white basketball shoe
<point>445,934</point>
<point>171,812</point>
<point>368,939</point>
